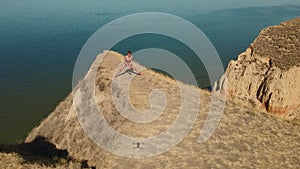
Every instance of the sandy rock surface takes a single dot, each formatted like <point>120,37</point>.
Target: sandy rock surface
<point>267,75</point>
<point>244,138</point>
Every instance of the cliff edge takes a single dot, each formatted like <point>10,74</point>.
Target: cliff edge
<point>267,75</point>
<point>243,138</point>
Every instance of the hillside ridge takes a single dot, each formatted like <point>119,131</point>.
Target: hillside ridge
<point>243,136</point>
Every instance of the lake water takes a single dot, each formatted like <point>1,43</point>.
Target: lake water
<point>40,41</point>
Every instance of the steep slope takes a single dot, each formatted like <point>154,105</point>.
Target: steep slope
<point>243,137</point>
<point>267,74</point>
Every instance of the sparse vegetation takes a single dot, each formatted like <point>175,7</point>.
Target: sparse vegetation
<point>244,136</point>
<point>280,43</point>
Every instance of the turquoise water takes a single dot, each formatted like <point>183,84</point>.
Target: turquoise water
<point>40,41</point>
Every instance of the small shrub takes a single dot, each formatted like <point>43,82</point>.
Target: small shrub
<point>101,86</point>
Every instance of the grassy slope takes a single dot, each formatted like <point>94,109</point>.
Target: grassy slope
<point>243,137</point>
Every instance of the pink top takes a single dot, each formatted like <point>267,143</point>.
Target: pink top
<point>128,60</point>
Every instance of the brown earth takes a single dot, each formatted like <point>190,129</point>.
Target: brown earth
<point>244,137</point>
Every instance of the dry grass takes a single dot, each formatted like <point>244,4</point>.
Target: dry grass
<point>280,43</point>
<point>37,154</point>
<point>244,138</point>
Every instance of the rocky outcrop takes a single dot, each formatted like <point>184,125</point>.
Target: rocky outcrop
<point>267,75</point>
<point>242,139</point>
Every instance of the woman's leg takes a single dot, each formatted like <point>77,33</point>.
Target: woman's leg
<point>134,68</point>
<point>124,65</point>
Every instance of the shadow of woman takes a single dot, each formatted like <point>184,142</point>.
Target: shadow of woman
<point>128,71</point>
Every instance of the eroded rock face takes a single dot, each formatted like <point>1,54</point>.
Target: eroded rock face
<point>267,74</point>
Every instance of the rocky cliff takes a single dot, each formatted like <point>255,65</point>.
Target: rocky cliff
<point>243,138</point>
<point>267,75</point>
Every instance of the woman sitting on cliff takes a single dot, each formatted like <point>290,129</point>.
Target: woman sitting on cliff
<point>128,59</point>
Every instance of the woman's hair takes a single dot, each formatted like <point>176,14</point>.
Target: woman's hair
<point>129,52</point>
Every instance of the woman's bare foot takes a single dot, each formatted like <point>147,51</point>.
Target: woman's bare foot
<point>140,73</point>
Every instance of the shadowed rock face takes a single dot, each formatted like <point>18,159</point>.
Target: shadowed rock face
<point>266,76</point>
<point>39,153</point>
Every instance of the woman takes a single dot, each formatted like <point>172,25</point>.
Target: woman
<point>128,59</point>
